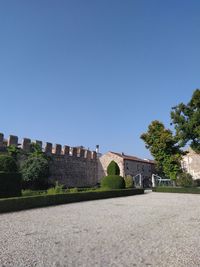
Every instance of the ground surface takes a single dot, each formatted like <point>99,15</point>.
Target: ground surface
<point>155,229</point>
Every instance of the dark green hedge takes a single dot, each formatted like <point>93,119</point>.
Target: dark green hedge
<point>10,184</point>
<point>7,164</point>
<point>113,168</point>
<point>191,190</point>
<point>22,203</point>
<point>113,182</point>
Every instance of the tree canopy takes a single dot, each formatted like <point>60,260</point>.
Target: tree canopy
<point>186,120</point>
<point>163,147</point>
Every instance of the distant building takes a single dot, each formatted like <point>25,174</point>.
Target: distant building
<point>191,164</point>
<point>129,165</point>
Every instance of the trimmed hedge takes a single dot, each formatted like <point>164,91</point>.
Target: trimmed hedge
<point>22,203</point>
<point>10,184</point>
<point>113,168</point>
<point>190,190</point>
<point>113,182</point>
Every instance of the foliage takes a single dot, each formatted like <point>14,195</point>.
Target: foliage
<point>184,179</point>
<point>29,192</point>
<point>7,164</point>
<point>13,151</point>
<point>58,189</point>
<point>35,172</point>
<point>190,190</point>
<point>10,184</point>
<point>113,168</point>
<point>186,119</point>
<point>22,203</point>
<point>75,190</point>
<point>113,182</point>
<point>196,182</point>
<point>129,183</point>
<point>163,146</point>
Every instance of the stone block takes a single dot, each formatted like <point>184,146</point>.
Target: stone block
<point>82,153</point>
<point>1,139</point>
<point>39,143</point>
<point>58,149</point>
<point>74,151</point>
<point>94,155</point>
<point>48,148</point>
<point>26,144</point>
<point>88,154</point>
<point>12,140</point>
<point>66,150</point>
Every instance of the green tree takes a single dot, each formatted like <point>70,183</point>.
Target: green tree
<point>186,120</point>
<point>163,147</point>
<point>35,169</point>
<point>113,168</point>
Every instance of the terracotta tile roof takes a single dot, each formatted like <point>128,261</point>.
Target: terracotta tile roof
<point>128,157</point>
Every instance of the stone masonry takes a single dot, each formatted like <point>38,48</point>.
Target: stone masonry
<point>191,163</point>
<point>71,166</point>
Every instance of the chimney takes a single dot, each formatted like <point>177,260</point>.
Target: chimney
<point>97,149</point>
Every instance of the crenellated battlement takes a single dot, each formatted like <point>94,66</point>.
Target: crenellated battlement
<point>47,147</point>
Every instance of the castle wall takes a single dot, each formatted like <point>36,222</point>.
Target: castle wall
<point>71,166</point>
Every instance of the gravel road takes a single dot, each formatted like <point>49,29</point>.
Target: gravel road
<point>155,229</point>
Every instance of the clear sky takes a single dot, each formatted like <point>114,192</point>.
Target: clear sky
<point>87,72</point>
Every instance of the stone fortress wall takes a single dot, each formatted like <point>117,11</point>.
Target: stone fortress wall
<point>71,166</point>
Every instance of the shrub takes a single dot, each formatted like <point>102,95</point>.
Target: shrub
<point>58,189</point>
<point>28,193</point>
<point>22,203</point>
<point>10,184</point>
<point>7,164</point>
<point>35,172</point>
<point>113,168</point>
<point>113,182</point>
<point>129,183</point>
<point>75,190</point>
<point>184,179</point>
<point>196,182</point>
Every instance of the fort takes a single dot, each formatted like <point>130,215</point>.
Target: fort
<point>80,167</point>
<point>71,166</point>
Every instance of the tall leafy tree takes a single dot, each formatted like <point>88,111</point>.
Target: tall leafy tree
<point>186,120</point>
<point>163,147</point>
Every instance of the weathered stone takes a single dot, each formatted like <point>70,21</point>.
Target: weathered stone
<point>82,153</point>
<point>88,154</point>
<point>26,143</point>
<point>12,140</point>
<point>74,151</point>
<point>66,150</point>
<point>48,148</point>
<point>58,149</point>
<point>1,139</point>
<point>39,143</point>
<point>94,155</point>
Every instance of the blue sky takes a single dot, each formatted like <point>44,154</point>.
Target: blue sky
<point>95,71</point>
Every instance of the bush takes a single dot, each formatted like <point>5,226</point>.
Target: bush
<point>58,189</point>
<point>184,179</point>
<point>196,182</point>
<point>35,172</point>
<point>22,203</point>
<point>190,190</point>
<point>129,183</point>
<point>7,164</point>
<point>10,184</point>
<point>113,182</point>
<point>113,168</point>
